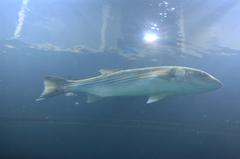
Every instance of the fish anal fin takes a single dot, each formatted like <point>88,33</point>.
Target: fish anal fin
<point>155,98</point>
<point>93,98</point>
<point>107,71</point>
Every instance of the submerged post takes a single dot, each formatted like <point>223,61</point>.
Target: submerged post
<point>111,25</point>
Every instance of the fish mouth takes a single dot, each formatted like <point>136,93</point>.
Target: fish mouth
<point>218,83</point>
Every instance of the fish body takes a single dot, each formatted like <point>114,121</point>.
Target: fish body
<point>154,82</point>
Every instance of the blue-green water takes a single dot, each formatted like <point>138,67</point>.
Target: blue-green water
<point>62,38</point>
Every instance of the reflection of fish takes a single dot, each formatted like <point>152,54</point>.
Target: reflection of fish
<point>154,82</point>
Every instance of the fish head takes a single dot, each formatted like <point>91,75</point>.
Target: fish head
<point>189,80</point>
<point>200,81</point>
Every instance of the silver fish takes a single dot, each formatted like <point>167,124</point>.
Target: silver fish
<point>153,82</point>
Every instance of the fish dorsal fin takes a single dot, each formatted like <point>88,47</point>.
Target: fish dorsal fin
<point>107,71</point>
<point>93,98</point>
<point>155,98</point>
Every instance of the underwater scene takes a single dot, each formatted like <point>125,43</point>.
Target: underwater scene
<point>119,79</point>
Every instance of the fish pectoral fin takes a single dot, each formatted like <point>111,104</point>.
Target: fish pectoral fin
<point>156,98</point>
<point>107,71</point>
<point>93,98</point>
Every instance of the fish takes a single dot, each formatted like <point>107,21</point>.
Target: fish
<point>156,83</point>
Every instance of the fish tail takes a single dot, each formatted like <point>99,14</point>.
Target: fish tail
<point>53,86</point>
